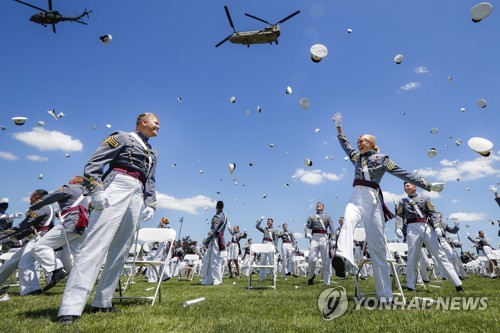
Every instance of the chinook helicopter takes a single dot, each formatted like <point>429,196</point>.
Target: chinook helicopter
<point>269,34</point>
<point>52,17</point>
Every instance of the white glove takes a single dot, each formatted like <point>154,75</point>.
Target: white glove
<point>457,224</point>
<point>99,200</point>
<point>493,189</point>
<point>437,187</point>
<point>16,215</point>
<point>308,236</point>
<point>439,232</point>
<point>337,118</point>
<point>467,234</point>
<point>228,224</point>
<point>147,213</point>
<point>399,233</point>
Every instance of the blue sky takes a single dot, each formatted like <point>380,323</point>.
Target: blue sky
<point>163,50</point>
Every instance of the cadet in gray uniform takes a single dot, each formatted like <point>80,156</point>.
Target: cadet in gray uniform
<point>366,204</point>
<point>118,197</point>
<point>424,227</point>
<point>37,222</point>
<point>287,251</point>
<point>234,249</point>
<point>321,228</point>
<point>269,238</point>
<point>212,266</point>
<point>67,234</point>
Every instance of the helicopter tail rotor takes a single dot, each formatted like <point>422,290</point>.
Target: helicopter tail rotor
<point>288,17</point>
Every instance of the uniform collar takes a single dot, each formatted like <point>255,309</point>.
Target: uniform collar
<point>142,136</point>
<point>412,195</point>
<point>368,153</point>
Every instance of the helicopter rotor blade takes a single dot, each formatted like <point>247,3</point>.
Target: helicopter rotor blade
<point>223,41</point>
<point>30,5</point>
<point>50,5</point>
<point>288,17</point>
<point>257,18</point>
<point>229,18</point>
<point>54,27</point>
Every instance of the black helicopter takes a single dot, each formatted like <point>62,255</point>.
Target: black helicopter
<point>269,34</point>
<point>52,16</point>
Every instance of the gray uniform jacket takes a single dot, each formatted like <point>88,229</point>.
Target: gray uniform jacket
<point>405,212</point>
<point>286,237</point>
<point>122,150</point>
<point>40,220</point>
<point>268,232</point>
<point>378,164</point>
<point>314,224</point>
<point>65,197</point>
<point>236,236</point>
<point>216,232</point>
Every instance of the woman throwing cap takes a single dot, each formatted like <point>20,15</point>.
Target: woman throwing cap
<point>367,205</point>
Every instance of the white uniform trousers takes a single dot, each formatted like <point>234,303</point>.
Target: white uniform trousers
<point>24,261</point>
<point>213,262</point>
<point>287,264</point>
<point>419,233</point>
<point>319,247</point>
<point>43,251</point>
<point>265,259</point>
<point>452,257</point>
<point>109,234</point>
<point>365,207</point>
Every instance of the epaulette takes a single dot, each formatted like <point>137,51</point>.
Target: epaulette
<point>111,141</point>
<point>390,165</point>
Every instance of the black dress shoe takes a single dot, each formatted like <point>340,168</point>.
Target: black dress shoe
<point>57,276</point>
<point>310,281</point>
<point>35,292</point>
<point>67,320</point>
<point>410,289</point>
<point>4,290</point>
<point>95,309</point>
<point>459,289</point>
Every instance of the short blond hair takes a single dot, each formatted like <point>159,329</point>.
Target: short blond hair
<point>371,139</point>
<point>144,115</point>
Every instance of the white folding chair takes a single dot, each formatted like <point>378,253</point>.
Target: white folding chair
<point>360,236</point>
<point>161,235</point>
<point>188,269</point>
<point>301,265</point>
<point>262,249</point>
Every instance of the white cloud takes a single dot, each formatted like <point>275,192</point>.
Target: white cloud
<point>465,171</point>
<point>467,217</point>
<point>48,140</point>
<point>391,197</point>
<point>314,177</point>
<point>410,86</point>
<point>8,156</point>
<point>421,70</point>
<point>188,205</point>
<point>37,158</point>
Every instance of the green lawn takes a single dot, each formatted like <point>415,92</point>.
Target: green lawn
<point>232,308</point>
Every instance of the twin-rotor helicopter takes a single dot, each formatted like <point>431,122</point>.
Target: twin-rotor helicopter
<point>52,17</point>
<point>269,34</point>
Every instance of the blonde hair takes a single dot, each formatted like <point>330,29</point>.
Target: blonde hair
<point>144,116</point>
<point>371,139</point>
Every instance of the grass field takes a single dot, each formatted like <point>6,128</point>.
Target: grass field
<point>231,307</point>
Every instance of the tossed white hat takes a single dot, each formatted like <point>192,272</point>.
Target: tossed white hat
<point>481,103</point>
<point>432,152</point>
<point>480,11</point>
<point>108,125</point>
<point>106,39</point>
<point>232,166</point>
<point>481,146</point>
<point>318,52</point>
<point>4,200</point>
<point>52,112</point>
<point>349,30</point>
<point>232,99</point>
<point>308,162</point>
<point>40,123</point>
<point>398,58</point>
<point>434,130</point>
<point>288,90</point>
<point>304,103</point>
<point>19,120</point>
